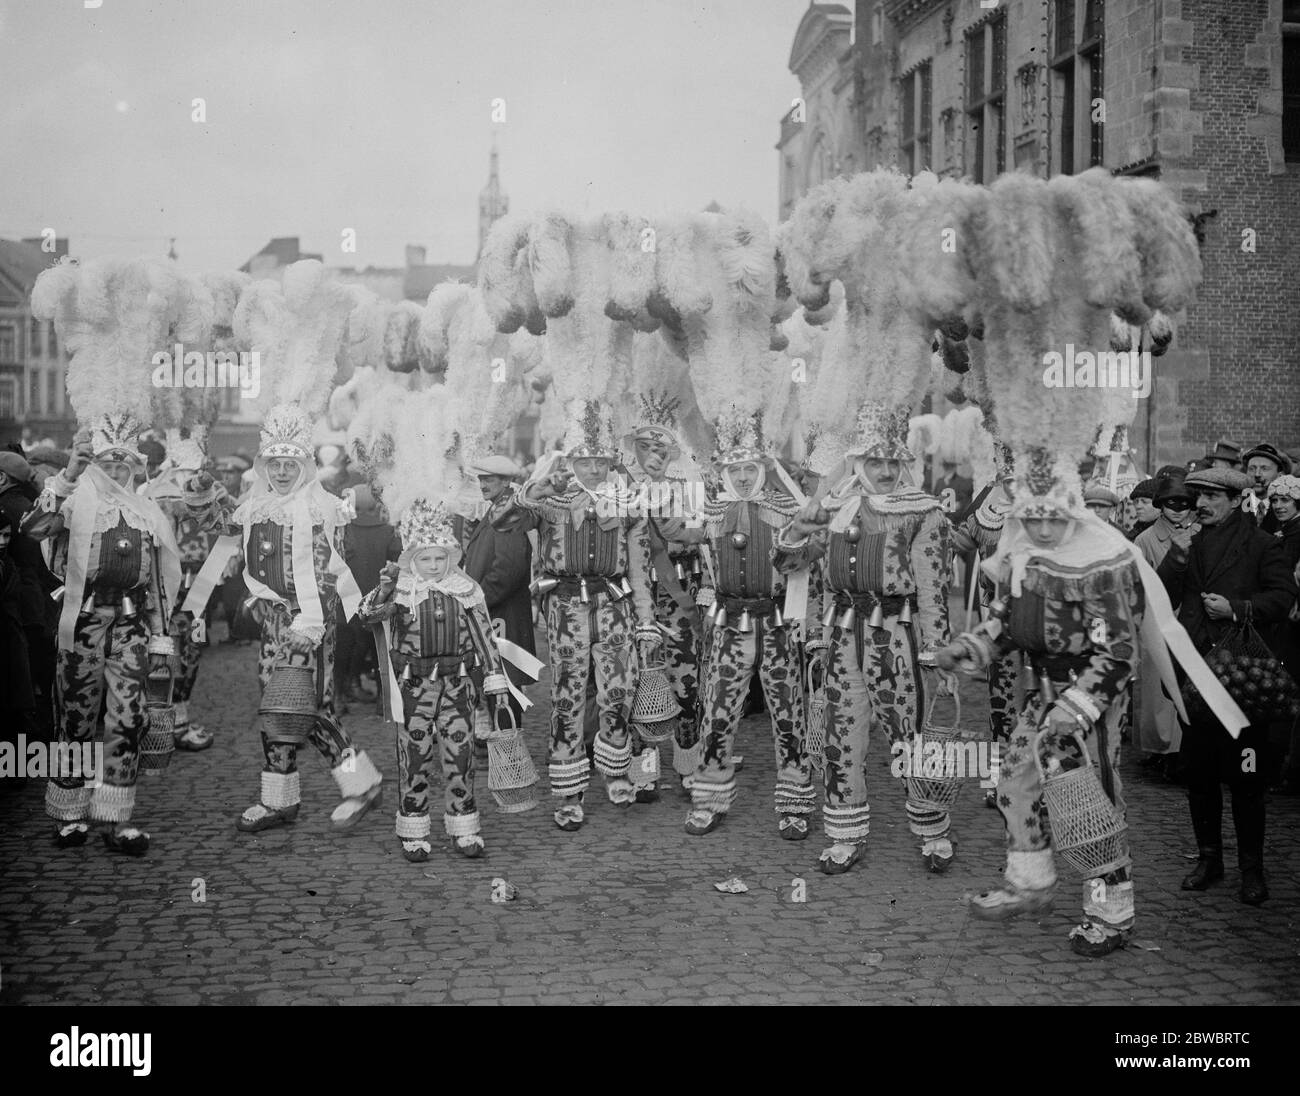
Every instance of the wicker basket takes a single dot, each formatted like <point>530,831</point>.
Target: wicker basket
<point>1087,830</point>
<point>512,777</point>
<point>655,708</point>
<point>936,791</point>
<point>158,742</point>
<point>816,741</point>
<point>288,704</point>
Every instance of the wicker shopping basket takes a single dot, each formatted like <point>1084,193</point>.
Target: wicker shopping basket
<point>512,777</point>
<point>158,742</point>
<point>1087,830</point>
<point>935,752</point>
<point>288,704</point>
<point>654,708</point>
<point>817,716</point>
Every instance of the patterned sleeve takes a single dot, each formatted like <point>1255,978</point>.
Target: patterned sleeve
<point>49,516</point>
<point>211,509</point>
<point>638,560</point>
<point>788,556</point>
<point>932,568</point>
<point>1111,636</point>
<point>372,610</point>
<point>486,645</point>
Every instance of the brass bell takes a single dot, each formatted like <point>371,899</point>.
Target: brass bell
<point>128,606</point>
<point>720,618</point>
<point>828,617</point>
<point>905,614</point>
<point>463,672</point>
<point>265,548</point>
<point>124,546</point>
<point>681,571</point>
<point>188,580</point>
<point>999,608</point>
<point>739,541</point>
<point>853,533</point>
<point>848,619</point>
<point>778,621</point>
<point>877,618</point>
<point>544,585</point>
<point>89,604</point>
<point>627,586</point>
<point>439,613</point>
<point>406,672</point>
<point>746,625</point>
<point>615,593</point>
<point>582,591</point>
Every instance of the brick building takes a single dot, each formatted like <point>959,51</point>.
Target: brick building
<point>1202,94</point>
<point>33,397</point>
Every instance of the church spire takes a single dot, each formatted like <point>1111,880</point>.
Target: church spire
<point>493,203</point>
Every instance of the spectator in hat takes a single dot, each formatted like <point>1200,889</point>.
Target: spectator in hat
<point>369,541</point>
<point>1229,571</point>
<point>498,556</point>
<point>1174,502</point>
<point>154,454</point>
<point>44,462</point>
<point>1101,500</point>
<point>1223,455</point>
<point>1263,465</point>
<point>1145,511</point>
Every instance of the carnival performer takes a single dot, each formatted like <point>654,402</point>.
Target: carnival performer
<point>1074,607</point>
<point>749,635</point>
<point>885,549</point>
<point>292,534</point>
<point>113,549</point>
<point>978,530</point>
<point>594,551</point>
<point>194,515</point>
<point>440,648</point>
<point>676,573</point>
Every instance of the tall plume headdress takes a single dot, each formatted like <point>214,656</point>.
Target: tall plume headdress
<point>296,330</point>
<point>113,316</point>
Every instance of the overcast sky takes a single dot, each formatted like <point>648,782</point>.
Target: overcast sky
<point>376,115</point>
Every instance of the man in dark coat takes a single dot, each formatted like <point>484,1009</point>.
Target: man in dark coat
<point>498,556</point>
<point>1228,572</point>
<point>34,584</point>
<point>369,541</point>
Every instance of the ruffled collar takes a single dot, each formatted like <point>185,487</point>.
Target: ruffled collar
<point>412,589</point>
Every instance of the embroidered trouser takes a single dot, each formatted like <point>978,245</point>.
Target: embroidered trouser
<point>680,650</point>
<point>883,687</point>
<point>105,671</point>
<point>440,708</point>
<point>595,639</point>
<point>327,733</point>
<point>734,657</point>
<point>188,654</point>
<point>1108,898</point>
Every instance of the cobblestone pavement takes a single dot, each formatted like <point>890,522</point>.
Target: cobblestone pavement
<point>622,912</point>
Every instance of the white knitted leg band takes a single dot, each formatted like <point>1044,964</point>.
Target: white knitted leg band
<point>280,790</point>
<point>66,804</point>
<point>413,827</point>
<point>1031,870</point>
<point>686,761</point>
<point>356,775</point>
<point>112,803</point>
<point>182,710</point>
<point>461,825</point>
<point>846,825</point>
<point>569,778</point>
<point>1109,903</point>
<point>795,798</point>
<point>717,798</point>
<point>611,761</point>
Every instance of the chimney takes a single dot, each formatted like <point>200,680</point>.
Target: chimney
<point>414,255</point>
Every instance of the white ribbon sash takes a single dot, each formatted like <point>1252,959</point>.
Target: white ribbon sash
<point>528,665</point>
<point>210,573</point>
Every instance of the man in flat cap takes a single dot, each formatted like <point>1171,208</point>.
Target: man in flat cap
<point>1264,463</point>
<point>1229,571</point>
<point>1101,500</point>
<point>498,556</point>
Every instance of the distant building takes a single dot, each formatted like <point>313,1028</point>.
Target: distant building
<point>493,203</point>
<point>1202,95</point>
<point>33,368</point>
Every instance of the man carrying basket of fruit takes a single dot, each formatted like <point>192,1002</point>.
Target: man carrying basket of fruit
<point>1222,580</point>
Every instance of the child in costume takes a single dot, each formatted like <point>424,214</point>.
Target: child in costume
<point>440,645</point>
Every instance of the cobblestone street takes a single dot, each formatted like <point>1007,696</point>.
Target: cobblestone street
<point>623,912</point>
